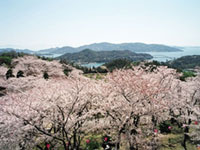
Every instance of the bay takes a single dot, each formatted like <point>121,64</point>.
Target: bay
<point>161,56</point>
<point>91,65</point>
<point>165,56</point>
<point>158,56</point>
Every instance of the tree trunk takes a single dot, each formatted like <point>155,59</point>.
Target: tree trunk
<point>184,142</point>
<point>133,144</point>
<point>154,144</point>
<point>74,139</point>
<point>185,138</point>
<point>65,146</point>
<point>117,144</point>
<point>39,147</point>
<point>78,143</point>
<point>133,148</point>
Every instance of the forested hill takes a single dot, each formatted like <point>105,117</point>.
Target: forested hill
<point>186,62</point>
<point>103,46</point>
<point>87,56</point>
<point>5,50</point>
<point>135,47</point>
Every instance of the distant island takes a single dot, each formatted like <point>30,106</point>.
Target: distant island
<point>104,46</point>
<point>3,50</point>
<point>135,47</point>
<point>185,62</point>
<point>88,56</point>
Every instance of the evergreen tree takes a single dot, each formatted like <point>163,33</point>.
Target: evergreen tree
<point>9,74</point>
<point>20,74</point>
<point>45,75</point>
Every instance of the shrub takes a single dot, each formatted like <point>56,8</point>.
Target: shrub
<point>67,71</point>
<point>101,69</point>
<point>92,144</point>
<point>6,57</point>
<point>9,74</point>
<point>118,64</point>
<point>187,74</point>
<point>11,54</point>
<point>45,75</point>
<point>155,63</point>
<point>173,124</point>
<point>45,58</point>
<point>106,138</point>
<point>5,60</point>
<point>63,61</point>
<point>20,74</point>
<point>164,126</point>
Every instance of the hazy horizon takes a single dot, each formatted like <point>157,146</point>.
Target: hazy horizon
<point>36,24</point>
<point>20,47</point>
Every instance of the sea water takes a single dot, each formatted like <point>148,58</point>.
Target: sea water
<point>165,56</point>
<point>161,56</point>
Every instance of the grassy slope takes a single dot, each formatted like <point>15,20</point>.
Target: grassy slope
<point>173,142</point>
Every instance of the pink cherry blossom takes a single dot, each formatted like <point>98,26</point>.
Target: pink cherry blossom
<point>125,103</point>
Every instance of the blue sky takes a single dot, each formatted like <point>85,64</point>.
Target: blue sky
<point>39,24</point>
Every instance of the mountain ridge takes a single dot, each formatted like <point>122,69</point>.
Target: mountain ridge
<point>88,56</point>
<point>2,50</point>
<point>135,47</point>
<point>103,46</point>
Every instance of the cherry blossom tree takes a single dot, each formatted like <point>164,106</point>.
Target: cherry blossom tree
<point>186,107</point>
<point>52,111</point>
<point>125,104</point>
<point>137,100</point>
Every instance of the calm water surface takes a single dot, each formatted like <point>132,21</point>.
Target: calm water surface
<point>90,65</point>
<point>164,56</point>
<point>159,56</point>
